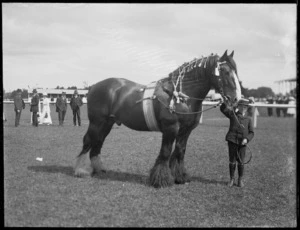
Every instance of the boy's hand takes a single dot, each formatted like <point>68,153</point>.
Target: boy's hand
<point>245,141</point>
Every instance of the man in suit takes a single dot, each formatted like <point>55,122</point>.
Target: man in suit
<point>61,108</point>
<point>19,105</point>
<point>270,100</point>
<point>75,104</point>
<point>34,107</point>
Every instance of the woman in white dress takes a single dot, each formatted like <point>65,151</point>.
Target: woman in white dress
<point>291,111</point>
<point>45,116</point>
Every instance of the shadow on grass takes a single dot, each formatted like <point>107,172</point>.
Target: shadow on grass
<point>113,175</point>
<point>208,181</point>
<point>123,177</point>
<point>67,170</point>
<point>108,175</point>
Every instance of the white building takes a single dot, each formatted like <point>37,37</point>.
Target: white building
<point>53,94</point>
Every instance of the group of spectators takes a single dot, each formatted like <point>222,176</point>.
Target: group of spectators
<point>286,112</point>
<point>40,109</point>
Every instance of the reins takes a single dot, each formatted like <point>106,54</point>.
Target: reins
<point>172,110</point>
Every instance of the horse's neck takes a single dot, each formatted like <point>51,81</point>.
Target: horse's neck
<point>197,84</point>
<point>197,89</point>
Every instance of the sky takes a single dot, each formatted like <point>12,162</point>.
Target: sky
<point>46,45</point>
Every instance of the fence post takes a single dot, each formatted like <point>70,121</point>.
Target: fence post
<point>201,118</point>
<point>254,116</point>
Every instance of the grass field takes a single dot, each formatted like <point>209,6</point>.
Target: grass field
<point>46,194</point>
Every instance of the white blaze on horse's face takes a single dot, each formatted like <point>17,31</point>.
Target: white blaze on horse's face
<point>238,87</point>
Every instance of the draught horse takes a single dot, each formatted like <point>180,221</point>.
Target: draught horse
<point>173,108</point>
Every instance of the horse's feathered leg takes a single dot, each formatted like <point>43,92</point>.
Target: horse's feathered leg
<point>177,159</point>
<point>103,130</point>
<point>83,166</point>
<point>93,140</point>
<point>160,174</point>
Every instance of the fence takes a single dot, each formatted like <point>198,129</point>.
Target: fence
<point>255,110</point>
<point>210,103</point>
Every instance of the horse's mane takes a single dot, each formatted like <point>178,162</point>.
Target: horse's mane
<point>195,69</point>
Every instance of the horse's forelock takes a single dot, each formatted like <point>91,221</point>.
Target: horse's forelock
<point>231,63</point>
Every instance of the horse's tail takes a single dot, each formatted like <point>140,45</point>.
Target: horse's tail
<point>87,144</point>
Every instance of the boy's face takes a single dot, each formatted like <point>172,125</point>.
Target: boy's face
<point>243,108</point>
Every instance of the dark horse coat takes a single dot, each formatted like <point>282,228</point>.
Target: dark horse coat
<point>119,101</point>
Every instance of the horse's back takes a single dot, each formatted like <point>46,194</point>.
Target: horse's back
<point>117,98</point>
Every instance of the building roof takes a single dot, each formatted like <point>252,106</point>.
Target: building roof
<point>286,80</point>
<point>59,91</point>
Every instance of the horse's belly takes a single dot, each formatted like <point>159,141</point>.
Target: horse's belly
<point>133,118</point>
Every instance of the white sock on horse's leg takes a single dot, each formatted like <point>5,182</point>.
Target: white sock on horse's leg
<point>97,164</point>
<point>83,166</point>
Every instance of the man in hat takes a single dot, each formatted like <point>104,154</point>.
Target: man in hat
<point>240,133</point>
<point>34,107</point>
<point>19,105</point>
<point>61,108</point>
<point>75,104</point>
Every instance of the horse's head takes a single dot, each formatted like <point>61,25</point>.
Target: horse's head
<point>227,82</point>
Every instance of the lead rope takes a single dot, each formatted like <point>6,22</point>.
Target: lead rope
<point>190,113</point>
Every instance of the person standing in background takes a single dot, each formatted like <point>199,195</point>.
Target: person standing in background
<point>45,117</point>
<point>19,105</point>
<point>270,100</point>
<point>291,112</point>
<point>278,101</point>
<point>34,107</point>
<point>75,104</point>
<point>61,108</point>
<point>285,100</point>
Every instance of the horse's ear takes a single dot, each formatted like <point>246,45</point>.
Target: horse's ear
<point>231,55</point>
<point>224,55</point>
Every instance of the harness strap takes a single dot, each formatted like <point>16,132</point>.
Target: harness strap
<point>148,107</point>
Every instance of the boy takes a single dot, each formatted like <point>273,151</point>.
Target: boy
<point>239,134</point>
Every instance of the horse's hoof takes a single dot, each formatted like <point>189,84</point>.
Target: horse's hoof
<point>160,176</point>
<point>82,173</point>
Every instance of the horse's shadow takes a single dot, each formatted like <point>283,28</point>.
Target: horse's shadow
<point>112,175</point>
<point>207,181</point>
<point>107,175</point>
<point>67,170</point>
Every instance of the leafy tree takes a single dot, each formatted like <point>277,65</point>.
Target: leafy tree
<point>260,92</point>
<point>72,87</point>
